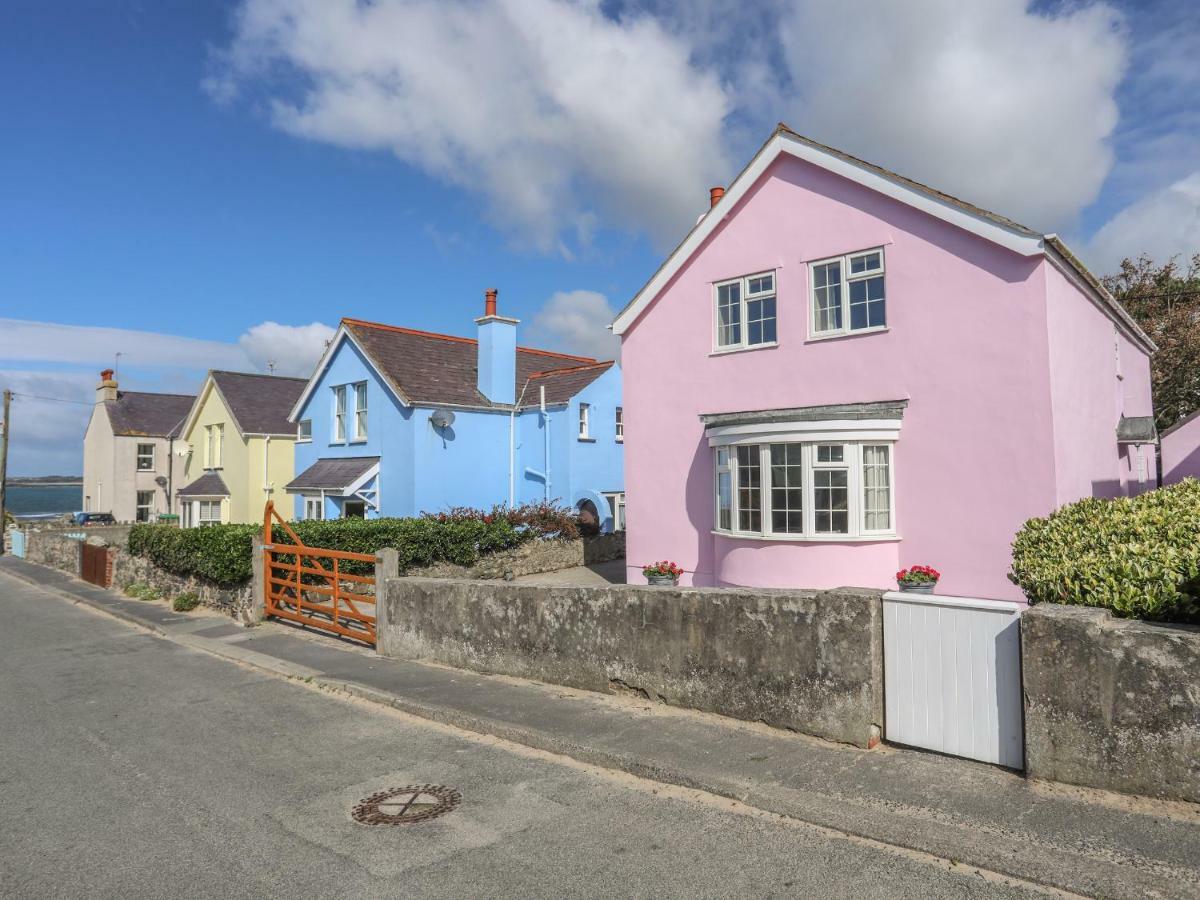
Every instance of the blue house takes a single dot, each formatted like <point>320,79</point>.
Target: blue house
<point>397,422</point>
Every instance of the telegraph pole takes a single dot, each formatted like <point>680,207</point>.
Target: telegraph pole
<point>4,461</point>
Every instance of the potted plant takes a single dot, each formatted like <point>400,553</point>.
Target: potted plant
<point>662,573</point>
<point>918,579</point>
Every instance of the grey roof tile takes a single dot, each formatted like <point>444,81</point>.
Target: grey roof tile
<point>210,484</point>
<point>260,403</point>
<point>334,474</point>
<point>883,409</point>
<point>139,414</point>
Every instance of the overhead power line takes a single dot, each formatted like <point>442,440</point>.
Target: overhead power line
<point>52,399</point>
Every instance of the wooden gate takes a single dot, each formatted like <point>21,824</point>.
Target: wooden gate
<point>317,587</point>
<point>94,564</point>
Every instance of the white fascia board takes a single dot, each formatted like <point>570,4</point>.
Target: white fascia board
<point>1018,242</point>
<point>357,485</point>
<point>194,413</point>
<point>342,334</point>
<point>831,430</point>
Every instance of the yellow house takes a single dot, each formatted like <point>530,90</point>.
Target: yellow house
<point>239,446</point>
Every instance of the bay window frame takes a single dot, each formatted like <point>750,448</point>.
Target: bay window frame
<point>853,463</point>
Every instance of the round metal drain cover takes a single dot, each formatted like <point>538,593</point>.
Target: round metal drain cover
<point>406,805</point>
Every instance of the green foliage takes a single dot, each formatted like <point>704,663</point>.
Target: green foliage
<point>222,553</point>
<point>544,519</point>
<point>140,591</point>
<point>1139,557</point>
<point>185,602</point>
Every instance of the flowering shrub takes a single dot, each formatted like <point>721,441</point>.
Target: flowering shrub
<point>918,575</point>
<point>663,568</point>
<point>544,519</point>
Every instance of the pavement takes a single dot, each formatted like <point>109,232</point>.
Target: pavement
<point>594,575</point>
<point>943,814</point>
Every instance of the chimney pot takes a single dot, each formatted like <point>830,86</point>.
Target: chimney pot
<point>714,196</point>
<point>489,302</point>
<point>106,375</point>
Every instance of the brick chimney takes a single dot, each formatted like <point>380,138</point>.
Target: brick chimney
<point>107,388</point>
<point>497,363</point>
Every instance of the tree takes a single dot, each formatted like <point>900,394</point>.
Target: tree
<point>1165,302</point>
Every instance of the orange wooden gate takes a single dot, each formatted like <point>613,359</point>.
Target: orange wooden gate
<point>315,586</point>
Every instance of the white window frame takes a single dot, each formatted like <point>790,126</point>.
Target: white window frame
<point>616,507</point>
<point>139,506</point>
<point>304,431</point>
<point>619,422</point>
<point>314,503</point>
<point>208,446</point>
<point>852,462</point>
<point>847,278</point>
<point>745,299</point>
<point>140,456</point>
<point>339,415</point>
<point>201,519</point>
<point>585,421</point>
<point>360,412</point>
<point>219,430</point>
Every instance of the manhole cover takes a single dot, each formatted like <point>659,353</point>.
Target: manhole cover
<point>406,805</point>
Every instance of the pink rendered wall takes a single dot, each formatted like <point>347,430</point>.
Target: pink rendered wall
<point>1181,452</point>
<point>1090,390</point>
<point>967,345</point>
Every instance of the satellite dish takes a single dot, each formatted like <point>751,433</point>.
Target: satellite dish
<point>161,480</point>
<point>442,418</point>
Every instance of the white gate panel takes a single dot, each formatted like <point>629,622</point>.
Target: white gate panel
<point>952,676</point>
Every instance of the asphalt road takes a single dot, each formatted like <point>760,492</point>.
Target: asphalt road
<point>131,766</point>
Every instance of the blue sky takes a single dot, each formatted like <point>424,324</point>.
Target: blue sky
<point>211,178</point>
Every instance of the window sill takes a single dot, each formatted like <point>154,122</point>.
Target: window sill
<point>841,335</point>
<point>811,538</point>
<point>725,351</point>
<point>587,440</point>
<point>358,441</point>
<point>303,440</point>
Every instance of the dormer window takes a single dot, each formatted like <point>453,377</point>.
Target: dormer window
<point>745,312</point>
<point>847,294</point>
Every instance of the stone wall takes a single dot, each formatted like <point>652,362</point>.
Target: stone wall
<point>802,660</point>
<point>1111,703</point>
<point>129,569</point>
<point>533,558</point>
<point>54,549</point>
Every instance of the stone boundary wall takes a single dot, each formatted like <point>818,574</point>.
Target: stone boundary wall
<point>533,558</point>
<point>802,660</point>
<point>1111,703</point>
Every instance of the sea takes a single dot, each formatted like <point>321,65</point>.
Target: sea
<point>43,500</point>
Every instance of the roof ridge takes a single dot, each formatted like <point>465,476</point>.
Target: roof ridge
<point>120,392</point>
<point>462,340</point>
<point>257,375</point>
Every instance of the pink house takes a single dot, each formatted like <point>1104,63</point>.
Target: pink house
<point>840,372</point>
<point>1180,450</point>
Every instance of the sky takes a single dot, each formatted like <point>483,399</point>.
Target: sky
<point>200,184</point>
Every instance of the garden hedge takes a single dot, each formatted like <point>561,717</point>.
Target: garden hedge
<point>222,553</point>
<point>1139,556</point>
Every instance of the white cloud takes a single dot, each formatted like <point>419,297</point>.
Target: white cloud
<point>576,322</point>
<point>47,434</point>
<point>80,344</point>
<point>1162,225</point>
<point>291,349</point>
<point>1007,108</point>
<point>550,110</point>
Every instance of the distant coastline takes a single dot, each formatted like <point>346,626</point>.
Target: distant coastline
<point>49,480</point>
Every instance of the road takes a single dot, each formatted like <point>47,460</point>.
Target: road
<point>131,766</point>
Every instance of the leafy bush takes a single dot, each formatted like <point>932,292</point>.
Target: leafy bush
<point>222,553</point>
<point>544,519</point>
<point>185,602</point>
<point>1139,557</point>
<point>140,591</point>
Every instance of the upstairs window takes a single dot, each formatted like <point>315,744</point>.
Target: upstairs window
<point>585,412</point>
<point>304,431</point>
<point>360,411</point>
<point>848,294</point>
<point>214,446</point>
<point>745,312</point>
<point>145,457</point>
<point>620,425</point>
<point>339,414</point>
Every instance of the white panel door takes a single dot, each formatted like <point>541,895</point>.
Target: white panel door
<point>952,676</point>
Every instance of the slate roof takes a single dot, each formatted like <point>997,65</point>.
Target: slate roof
<point>440,369</point>
<point>137,414</point>
<point>884,409</point>
<point>562,384</point>
<point>210,484</point>
<point>260,403</point>
<point>332,474</point>
<point>1137,430</point>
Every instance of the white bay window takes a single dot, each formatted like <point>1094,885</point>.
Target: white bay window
<point>819,490</point>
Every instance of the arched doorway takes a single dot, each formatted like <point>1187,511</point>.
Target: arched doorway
<point>589,518</point>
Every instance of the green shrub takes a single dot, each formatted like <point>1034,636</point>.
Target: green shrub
<point>185,602</point>
<point>1139,557</point>
<point>221,553</point>
<point>140,591</point>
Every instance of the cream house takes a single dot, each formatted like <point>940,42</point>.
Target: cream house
<point>130,467</point>
<point>240,447</point>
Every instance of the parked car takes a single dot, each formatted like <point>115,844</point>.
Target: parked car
<point>93,518</point>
